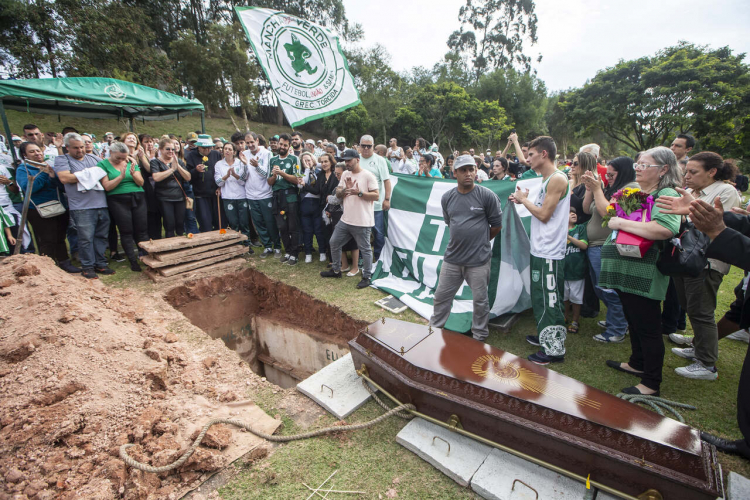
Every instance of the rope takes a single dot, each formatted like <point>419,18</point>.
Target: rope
<point>656,403</point>
<point>400,411</point>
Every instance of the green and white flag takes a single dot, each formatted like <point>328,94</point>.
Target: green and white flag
<point>417,237</point>
<point>303,61</point>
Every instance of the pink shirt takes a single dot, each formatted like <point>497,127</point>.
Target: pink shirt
<point>358,211</point>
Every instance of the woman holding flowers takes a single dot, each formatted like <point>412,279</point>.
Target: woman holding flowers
<point>620,175</point>
<point>637,280</point>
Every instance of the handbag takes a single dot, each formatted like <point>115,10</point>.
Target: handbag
<point>188,200</point>
<point>48,209</point>
<point>685,254</point>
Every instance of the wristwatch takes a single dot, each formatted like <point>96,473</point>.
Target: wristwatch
<point>360,194</point>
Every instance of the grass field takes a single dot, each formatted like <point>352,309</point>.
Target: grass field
<point>370,460</point>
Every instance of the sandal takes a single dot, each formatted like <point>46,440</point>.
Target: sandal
<point>573,327</point>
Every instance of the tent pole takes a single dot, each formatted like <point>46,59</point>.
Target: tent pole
<point>203,122</point>
<point>7,132</point>
<point>131,124</point>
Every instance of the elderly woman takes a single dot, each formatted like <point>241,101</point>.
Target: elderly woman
<point>638,282</point>
<point>50,232</point>
<point>230,174</point>
<point>582,163</point>
<point>704,176</point>
<point>126,199</point>
<point>168,187</point>
<point>621,175</point>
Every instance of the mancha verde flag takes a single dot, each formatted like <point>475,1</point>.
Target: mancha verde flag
<point>417,237</point>
<point>303,62</point>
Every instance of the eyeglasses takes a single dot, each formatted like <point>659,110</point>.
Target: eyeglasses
<point>644,166</point>
<point>365,146</point>
<point>610,176</point>
<point>168,149</point>
<point>575,163</point>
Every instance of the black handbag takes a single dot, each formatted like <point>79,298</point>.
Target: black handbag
<point>685,254</point>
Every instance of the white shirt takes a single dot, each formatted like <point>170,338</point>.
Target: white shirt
<point>549,240</point>
<point>231,189</point>
<point>256,185</point>
<point>407,166</point>
<point>482,175</point>
<point>5,200</point>
<point>50,152</point>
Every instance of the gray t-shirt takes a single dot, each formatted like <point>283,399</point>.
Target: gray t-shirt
<point>469,217</point>
<point>80,200</point>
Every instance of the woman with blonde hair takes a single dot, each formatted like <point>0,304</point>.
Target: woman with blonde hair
<point>168,187</point>
<point>582,163</point>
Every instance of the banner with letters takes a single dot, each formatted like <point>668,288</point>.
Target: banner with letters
<point>417,237</point>
<point>303,62</point>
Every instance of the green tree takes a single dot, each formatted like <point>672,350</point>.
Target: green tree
<point>352,123</point>
<point>487,124</point>
<point>492,34</point>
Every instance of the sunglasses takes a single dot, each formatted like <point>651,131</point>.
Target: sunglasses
<point>575,163</point>
<point>365,146</point>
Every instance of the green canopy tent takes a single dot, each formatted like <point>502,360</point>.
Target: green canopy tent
<point>93,98</point>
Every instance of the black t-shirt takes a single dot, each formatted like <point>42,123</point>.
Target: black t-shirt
<point>576,201</point>
<point>204,185</point>
<point>168,189</point>
<point>515,168</point>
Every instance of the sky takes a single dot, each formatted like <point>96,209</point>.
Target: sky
<point>575,38</point>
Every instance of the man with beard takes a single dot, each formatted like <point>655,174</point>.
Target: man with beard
<point>297,144</point>
<point>284,179</point>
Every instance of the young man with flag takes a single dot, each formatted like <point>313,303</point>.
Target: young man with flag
<point>548,236</point>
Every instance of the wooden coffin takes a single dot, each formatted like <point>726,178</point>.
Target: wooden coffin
<point>537,411</point>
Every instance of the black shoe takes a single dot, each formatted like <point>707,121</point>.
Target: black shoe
<point>89,274</point>
<point>363,283</point>
<point>250,251</point>
<point>330,274</point>
<point>117,257</point>
<point>284,259</point>
<point>532,339</point>
<point>68,267</point>
<point>540,358</point>
<point>738,447</point>
<point>616,366</point>
<point>135,267</point>
<point>104,270</point>
<point>256,243</point>
<point>292,261</point>
<point>634,390</point>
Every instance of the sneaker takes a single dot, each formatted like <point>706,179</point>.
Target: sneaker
<point>256,243</point>
<point>291,261</point>
<point>680,339</point>
<point>284,258</point>
<point>266,253</point>
<point>542,359</point>
<point>602,324</point>
<point>308,259</point>
<point>104,270</point>
<point>685,352</point>
<point>532,339</point>
<point>741,335</point>
<point>277,253</point>
<point>698,371</point>
<point>117,257</point>
<point>323,257</point>
<point>135,267</point>
<point>250,251</point>
<point>363,283</point>
<point>330,274</point>
<point>89,274</point>
<point>68,267</point>
<point>607,338</point>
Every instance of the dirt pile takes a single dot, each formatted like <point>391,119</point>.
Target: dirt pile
<point>85,368</point>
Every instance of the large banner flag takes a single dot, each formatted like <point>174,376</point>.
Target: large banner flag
<point>417,237</point>
<point>303,62</point>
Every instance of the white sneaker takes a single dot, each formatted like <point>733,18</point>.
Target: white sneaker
<point>685,352</point>
<point>698,371</point>
<point>323,257</point>
<point>680,339</point>
<point>308,259</point>
<point>277,253</point>
<point>742,335</point>
<point>602,324</point>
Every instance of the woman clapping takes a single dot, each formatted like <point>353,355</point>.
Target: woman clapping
<point>230,175</point>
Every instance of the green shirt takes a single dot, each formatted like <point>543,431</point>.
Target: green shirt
<point>529,174</point>
<point>378,166</point>
<point>288,165</point>
<point>127,184</point>
<point>634,275</point>
<point>575,258</point>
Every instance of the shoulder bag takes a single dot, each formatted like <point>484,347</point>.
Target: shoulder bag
<point>685,254</point>
<point>48,209</point>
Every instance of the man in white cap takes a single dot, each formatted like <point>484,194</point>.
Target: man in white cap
<point>341,144</point>
<point>201,163</point>
<point>17,141</point>
<point>473,215</point>
<point>310,146</point>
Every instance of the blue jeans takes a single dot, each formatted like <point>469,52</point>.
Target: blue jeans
<point>616,322</point>
<point>379,231</point>
<point>72,234</point>
<point>93,233</point>
<point>312,223</point>
<point>190,225</point>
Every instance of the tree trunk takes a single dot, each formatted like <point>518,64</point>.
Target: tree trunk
<point>279,114</point>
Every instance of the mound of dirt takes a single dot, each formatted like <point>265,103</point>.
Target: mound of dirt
<point>84,369</point>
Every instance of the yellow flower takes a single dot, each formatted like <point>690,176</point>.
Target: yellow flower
<point>611,206</point>
<point>205,158</point>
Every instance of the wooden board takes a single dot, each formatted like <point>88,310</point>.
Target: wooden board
<point>177,256</point>
<point>181,242</point>
<point>210,270</point>
<point>181,268</point>
<point>153,263</point>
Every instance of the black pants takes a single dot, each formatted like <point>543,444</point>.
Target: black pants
<point>206,212</point>
<point>590,307</point>
<point>130,214</point>
<point>672,315</point>
<point>288,225</point>
<point>50,234</point>
<point>646,341</point>
<point>173,213</point>
<point>154,225</point>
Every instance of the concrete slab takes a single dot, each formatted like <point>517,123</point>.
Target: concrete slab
<point>504,477</point>
<point>505,322</point>
<point>336,387</point>
<point>456,456</point>
<point>738,487</point>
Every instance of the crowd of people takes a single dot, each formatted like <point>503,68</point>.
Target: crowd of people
<point>285,194</point>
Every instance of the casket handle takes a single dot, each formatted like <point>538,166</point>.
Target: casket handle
<point>323,385</point>
<point>529,487</point>
<point>443,440</point>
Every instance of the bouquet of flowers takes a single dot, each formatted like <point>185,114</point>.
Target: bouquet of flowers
<point>631,204</point>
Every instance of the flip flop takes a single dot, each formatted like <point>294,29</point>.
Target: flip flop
<point>616,366</point>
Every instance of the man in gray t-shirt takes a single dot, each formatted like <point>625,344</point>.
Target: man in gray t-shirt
<point>473,215</point>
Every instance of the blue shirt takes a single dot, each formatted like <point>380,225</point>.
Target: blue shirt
<point>44,189</point>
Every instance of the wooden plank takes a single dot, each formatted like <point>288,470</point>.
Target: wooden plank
<point>176,256</point>
<point>210,270</point>
<point>181,242</point>
<point>153,263</point>
<point>181,268</point>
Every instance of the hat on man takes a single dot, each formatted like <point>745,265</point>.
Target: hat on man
<point>275,138</point>
<point>310,141</point>
<point>349,154</point>
<point>340,140</point>
<point>192,137</point>
<point>463,161</point>
<point>16,138</point>
<point>204,141</point>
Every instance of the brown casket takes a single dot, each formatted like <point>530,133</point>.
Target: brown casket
<point>513,402</point>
